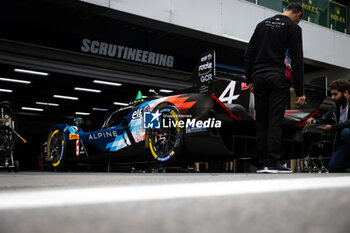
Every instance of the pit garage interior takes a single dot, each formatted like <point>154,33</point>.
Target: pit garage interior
<point>51,37</point>
<point>55,38</point>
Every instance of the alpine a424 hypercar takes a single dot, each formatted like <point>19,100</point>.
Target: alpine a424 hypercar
<point>212,121</point>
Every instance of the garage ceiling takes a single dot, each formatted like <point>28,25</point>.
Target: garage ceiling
<point>32,90</point>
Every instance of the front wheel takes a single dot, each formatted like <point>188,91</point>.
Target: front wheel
<point>56,146</point>
<point>166,142</point>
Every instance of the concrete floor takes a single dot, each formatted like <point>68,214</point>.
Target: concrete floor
<point>179,202</point>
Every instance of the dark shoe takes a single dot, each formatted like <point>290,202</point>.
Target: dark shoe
<point>276,169</point>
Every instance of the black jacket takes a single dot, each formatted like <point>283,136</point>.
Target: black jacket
<point>332,117</point>
<point>276,45</point>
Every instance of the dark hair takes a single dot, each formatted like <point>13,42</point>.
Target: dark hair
<point>341,85</point>
<point>295,7</point>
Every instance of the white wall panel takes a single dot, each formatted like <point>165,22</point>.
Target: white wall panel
<point>236,19</point>
<point>201,15</point>
<point>239,22</point>
<point>318,43</point>
<point>341,49</point>
<point>155,9</point>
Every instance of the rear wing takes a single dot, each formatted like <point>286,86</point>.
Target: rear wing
<point>204,74</point>
<point>207,71</point>
<point>226,84</point>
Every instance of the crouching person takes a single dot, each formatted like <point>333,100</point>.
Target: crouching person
<point>337,121</point>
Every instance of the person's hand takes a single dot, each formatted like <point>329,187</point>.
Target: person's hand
<point>326,128</point>
<point>251,87</point>
<point>311,121</point>
<point>301,100</point>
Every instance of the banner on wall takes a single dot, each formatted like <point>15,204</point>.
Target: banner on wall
<point>315,11</point>
<point>337,16</point>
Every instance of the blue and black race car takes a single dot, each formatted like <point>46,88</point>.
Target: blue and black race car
<point>213,120</point>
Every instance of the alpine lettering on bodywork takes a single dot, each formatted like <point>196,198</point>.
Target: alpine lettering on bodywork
<point>100,135</point>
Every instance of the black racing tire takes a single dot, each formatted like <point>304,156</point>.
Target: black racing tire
<point>56,148</point>
<point>16,166</point>
<point>166,144</point>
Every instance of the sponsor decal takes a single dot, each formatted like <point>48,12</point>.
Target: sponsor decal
<point>126,53</point>
<point>309,7</point>
<point>136,102</point>
<point>195,129</point>
<point>205,73</point>
<point>338,18</point>
<point>73,136</point>
<point>77,148</point>
<point>206,78</point>
<point>100,135</point>
<point>206,58</point>
<point>162,159</point>
<point>137,114</point>
<point>244,86</point>
<point>147,108</point>
<point>205,68</point>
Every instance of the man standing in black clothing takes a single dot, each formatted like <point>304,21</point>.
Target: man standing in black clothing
<point>273,59</point>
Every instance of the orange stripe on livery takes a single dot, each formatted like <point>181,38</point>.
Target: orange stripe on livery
<point>180,103</point>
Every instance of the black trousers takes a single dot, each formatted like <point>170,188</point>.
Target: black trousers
<point>271,92</point>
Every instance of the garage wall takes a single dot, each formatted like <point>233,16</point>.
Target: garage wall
<point>332,74</point>
<point>235,19</point>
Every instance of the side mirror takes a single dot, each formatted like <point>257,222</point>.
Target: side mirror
<point>78,121</point>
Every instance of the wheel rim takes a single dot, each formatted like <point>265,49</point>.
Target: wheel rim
<point>55,148</point>
<point>164,141</point>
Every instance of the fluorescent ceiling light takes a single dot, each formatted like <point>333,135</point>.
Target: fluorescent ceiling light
<point>33,109</point>
<point>14,80</point>
<point>82,113</point>
<point>48,104</point>
<point>144,96</point>
<point>121,104</point>
<point>65,97</point>
<point>31,72</point>
<point>86,89</point>
<point>165,91</point>
<point>5,90</point>
<point>107,83</point>
<point>100,109</point>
